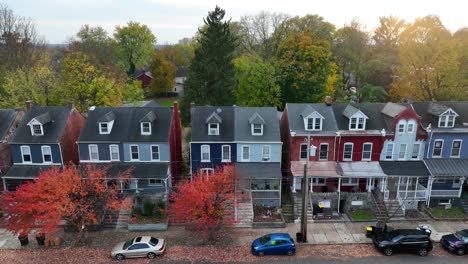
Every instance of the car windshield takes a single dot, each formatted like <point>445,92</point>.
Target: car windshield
<point>128,243</point>
<point>153,241</point>
<point>395,236</point>
<point>463,235</point>
<point>264,239</point>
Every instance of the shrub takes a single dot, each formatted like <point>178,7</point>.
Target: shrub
<point>148,208</point>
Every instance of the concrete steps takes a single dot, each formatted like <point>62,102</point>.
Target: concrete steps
<point>245,214</point>
<point>298,208</point>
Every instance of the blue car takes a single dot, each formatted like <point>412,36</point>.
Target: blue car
<point>275,243</point>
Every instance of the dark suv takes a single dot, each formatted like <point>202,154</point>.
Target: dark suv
<point>403,240</point>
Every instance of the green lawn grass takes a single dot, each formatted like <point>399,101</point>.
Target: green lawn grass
<point>166,101</point>
<point>362,215</point>
<point>454,212</point>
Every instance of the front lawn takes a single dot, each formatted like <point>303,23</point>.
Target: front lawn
<point>361,215</point>
<point>454,212</point>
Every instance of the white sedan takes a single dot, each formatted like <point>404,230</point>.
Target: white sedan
<point>144,246</point>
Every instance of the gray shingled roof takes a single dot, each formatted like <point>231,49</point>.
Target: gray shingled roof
<point>258,170</point>
<point>425,110</point>
<point>43,118</point>
<point>308,110</point>
<point>53,130</point>
<point>126,127</point>
<point>349,111</point>
<point>200,128</point>
<point>436,109</point>
<point>404,168</point>
<point>26,171</point>
<point>267,115</point>
<point>447,167</point>
<point>7,116</point>
<point>257,119</point>
<point>139,169</point>
<point>373,111</point>
<point>392,109</point>
<point>107,117</point>
<point>149,117</point>
<point>214,118</point>
<point>296,121</point>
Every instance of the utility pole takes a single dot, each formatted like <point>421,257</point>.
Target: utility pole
<point>305,195</point>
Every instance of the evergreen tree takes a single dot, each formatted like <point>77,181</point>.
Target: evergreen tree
<point>211,78</point>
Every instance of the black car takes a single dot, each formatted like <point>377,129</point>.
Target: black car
<point>457,242</point>
<point>403,240</point>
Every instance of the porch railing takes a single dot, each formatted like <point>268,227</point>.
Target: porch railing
<point>412,194</point>
<point>402,204</point>
<point>445,193</point>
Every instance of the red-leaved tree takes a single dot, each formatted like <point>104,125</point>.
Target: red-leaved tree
<point>205,204</point>
<point>77,195</point>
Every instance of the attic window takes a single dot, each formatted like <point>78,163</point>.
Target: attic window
<point>213,129</point>
<point>357,123</point>
<point>104,128</point>
<point>447,121</point>
<point>145,128</point>
<point>257,129</point>
<point>314,123</point>
<point>37,130</point>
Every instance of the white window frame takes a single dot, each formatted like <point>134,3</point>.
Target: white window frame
<point>248,152</point>
<point>404,152</point>
<point>90,146</point>
<point>223,158</point>
<point>157,182</point>
<point>110,152</point>
<point>43,154</point>
<point>142,127</point>
<point>213,131</point>
<point>459,148</point>
<point>318,181</point>
<point>320,151</point>
<point>441,148</point>
<point>252,127</point>
<point>33,130</point>
<point>300,152</point>
<point>356,121</point>
<point>370,151</point>
<point>206,171</point>
<point>386,150</point>
<point>268,158</point>
<point>447,119</point>
<point>23,152</point>
<point>101,131</point>
<point>137,152</point>
<point>344,151</point>
<point>419,150</point>
<point>158,152</point>
<point>401,127</point>
<point>413,126</point>
<point>312,122</point>
<point>350,181</point>
<point>206,147</point>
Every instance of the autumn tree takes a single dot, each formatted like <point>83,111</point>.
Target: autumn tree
<point>95,43</point>
<point>306,70</point>
<point>79,196</point>
<point>179,55</point>
<point>206,203</point>
<point>369,93</point>
<point>256,82</point>
<point>211,76</point>
<point>163,74</point>
<point>134,46</point>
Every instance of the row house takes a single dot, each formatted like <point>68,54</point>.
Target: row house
<point>248,138</point>
<point>45,137</point>
<point>145,140</point>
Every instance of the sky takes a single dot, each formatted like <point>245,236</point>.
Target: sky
<point>172,20</point>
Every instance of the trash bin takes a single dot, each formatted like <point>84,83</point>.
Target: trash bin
<point>299,237</point>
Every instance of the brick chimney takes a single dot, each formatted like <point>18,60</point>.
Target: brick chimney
<point>29,104</point>
<point>328,100</point>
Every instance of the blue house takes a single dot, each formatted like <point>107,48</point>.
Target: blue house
<point>134,138</point>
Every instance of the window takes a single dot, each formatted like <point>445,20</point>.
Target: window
<point>357,123</point>
<point>456,146</point>
<point>257,129</point>
<point>266,153</point>
<point>26,154</point>
<point>353,123</point>
<point>138,246</point>
<point>367,151</point>
<point>226,153</point>
<point>401,128</point>
<point>410,128</point>
<point>245,153</point>
<point>154,152</point>
<point>145,128</point>
<point>318,181</point>
<point>213,129</point>
<point>206,171</point>
<point>415,153</point>
<point>134,152</point>
<point>402,152</point>
<point>323,154</point>
<point>114,152</point>
<point>303,151</point>
<point>348,151</point>
<point>46,154</point>
<point>349,181</point>
<point>157,182</point>
<point>37,130</point>
<point>437,151</point>
<point>389,151</point>
<point>447,120</point>
<point>93,152</point>
<point>205,153</point>
<point>103,128</point>
<point>314,123</point>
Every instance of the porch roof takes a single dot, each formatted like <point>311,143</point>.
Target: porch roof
<point>143,170</point>
<point>361,169</point>
<point>404,168</point>
<point>315,168</point>
<point>26,171</point>
<point>447,167</point>
<point>258,170</point>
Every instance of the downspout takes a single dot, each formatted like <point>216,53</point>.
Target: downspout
<point>429,130</point>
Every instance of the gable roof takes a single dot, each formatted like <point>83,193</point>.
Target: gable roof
<point>181,72</point>
<point>392,109</point>
<point>53,129</point>
<point>7,116</point>
<point>126,126</point>
<point>149,117</point>
<point>436,109</point>
<point>214,118</point>
<point>43,118</point>
<point>375,121</point>
<point>265,115</point>
<point>200,116</point>
<point>428,110</point>
<point>296,120</point>
<point>308,110</point>
<point>107,117</point>
<point>350,110</point>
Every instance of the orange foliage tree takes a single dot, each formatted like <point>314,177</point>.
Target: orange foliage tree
<point>77,195</point>
<point>205,204</point>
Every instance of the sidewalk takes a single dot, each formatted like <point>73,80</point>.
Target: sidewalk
<point>317,233</point>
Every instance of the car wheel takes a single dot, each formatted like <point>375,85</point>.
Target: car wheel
<point>289,252</point>
<point>388,252</point>
<point>422,252</point>
<point>460,252</point>
<point>119,257</point>
<point>151,255</point>
<point>261,253</point>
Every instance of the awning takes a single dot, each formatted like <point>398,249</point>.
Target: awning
<point>448,167</point>
<point>258,170</point>
<point>404,168</point>
<point>361,169</point>
<point>315,168</point>
<point>25,171</point>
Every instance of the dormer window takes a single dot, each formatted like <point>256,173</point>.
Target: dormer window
<point>37,124</point>
<point>37,130</point>
<point>447,118</point>
<point>312,119</point>
<point>145,128</point>
<point>314,123</point>
<point>104,128</point>
<point>257,129</point>
<point>357,119</point>
<point>213,129</point>
<point>357,123</point>
<point>106,122</point>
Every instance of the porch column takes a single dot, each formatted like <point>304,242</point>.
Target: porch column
<point>416,189</point>
<point>339,193</point>
<point>429,190</point>
<point>121,186</point>
<point>311,183</point>
<point>4,184</point>
<point>406,190</point>
<point>462,180</point>
<point>293,185</point>
<point>398,187</point>
<point>136,186</point>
